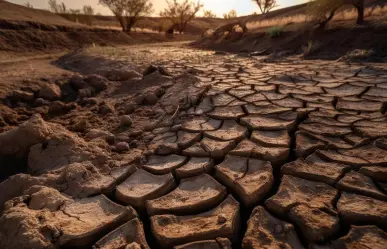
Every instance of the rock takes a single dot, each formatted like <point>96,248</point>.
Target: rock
<point>76,224</point>
<point>58,107</point>
<point>129,235</point>
<point>77,82</point>
<point>98,82</point>
<point>139,99</point>
<point>105,109</point>
<point>122,75</point>
<point>149,70</point>
<point>81,126</point>
<point>218,243</point>
<point>142,186</point>
<point>85,92</point>
<point>222,221</point>
<point>160,165</point>
<point>50,92</point>
<point>24,96</point>
<point>126,121</point>
<point>122,147</point>
<point>265,231</point>
<point>296,191</point>
<point>95,133</point>
<point>40,102</point>
<point>150,98</point>
<point>193,195</point>
<point>17,142</point>
<point>358,237</point>
<point>129,108</point>
<point>358,209</point>
<point>250,179</point>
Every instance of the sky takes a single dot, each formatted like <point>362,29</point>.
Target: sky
<point>243,7</point>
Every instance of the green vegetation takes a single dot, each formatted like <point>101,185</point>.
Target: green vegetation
<point>275,31</point>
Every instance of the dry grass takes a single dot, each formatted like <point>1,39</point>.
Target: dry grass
<point>349,14</point>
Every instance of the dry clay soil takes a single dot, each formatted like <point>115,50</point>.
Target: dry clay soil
<point>202,150</point>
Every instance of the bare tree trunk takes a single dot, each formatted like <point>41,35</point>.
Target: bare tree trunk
<point>324,22</point>
<point>360,12</point>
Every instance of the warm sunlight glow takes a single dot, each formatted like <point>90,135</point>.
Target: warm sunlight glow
<point>243,7</point>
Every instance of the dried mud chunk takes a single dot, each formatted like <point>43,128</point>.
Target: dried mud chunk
<point>193,195</point>
<point>325,130</point>
<point>244,148</point>
<point>160,165</point>
<point>17,142</point>
<point>217,149</point>
<point>296,191</point>
<point>230,130</point>
<point>219,243</point>
<point>306,145</point>
<point>201,124</point>
<point>195,166</point>
<point>227,112</point>
<point>222,100</point>
<point>378,173</point>
<point>91,218</point>
<point>265,231</point>
<point>142,186</point>
<point>336,157</point>
<point>187,139</point>
<point>370,153</point>
<point>345,90</point>
<point>359,237</point>
<point>289,102</point>
<point>250,179</point>
<point>359,209</point>
<point>278,138</point>
<point>265,109</point>
<point>222,221</point>
<point>267,123</point>
<point>364,105</point>
<point>315,225</point>
<point>328,173</point>
<point>130,232</point>
<point>276,155</point>
<point>360,184</point>
<point>196,150</point>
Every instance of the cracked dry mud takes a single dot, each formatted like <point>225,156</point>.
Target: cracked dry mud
<point>252,155</point>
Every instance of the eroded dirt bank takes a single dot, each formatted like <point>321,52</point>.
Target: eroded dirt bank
<point>198,151</point>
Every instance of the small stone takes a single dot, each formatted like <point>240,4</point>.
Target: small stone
<point>77,82</point>
<point>98,82</point>
<point>105,109</point>
<point>81,126</point>
<point>22,95</point>
<point>126,121</point>
<point>139,99</point>
<point>151,98</point>
<point>150,69</point>
<point>122,146</point>
<point>50,92</point>
<point>129,108</point>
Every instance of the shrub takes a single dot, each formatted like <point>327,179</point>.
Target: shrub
<point>275,31</point>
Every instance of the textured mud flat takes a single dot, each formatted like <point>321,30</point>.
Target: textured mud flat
<point>242,155</point>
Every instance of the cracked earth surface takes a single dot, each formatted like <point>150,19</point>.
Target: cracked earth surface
<point>285,155</point>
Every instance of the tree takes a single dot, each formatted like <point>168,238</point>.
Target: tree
<point>128,12</point>
<point>28,5</point>
<point>55,7</point>
<point>209,14</point>
<point>230,15</point>
<point>322,11</point>
<point>88,12</point>
<point>266,6</point>
<point>181,13</point>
